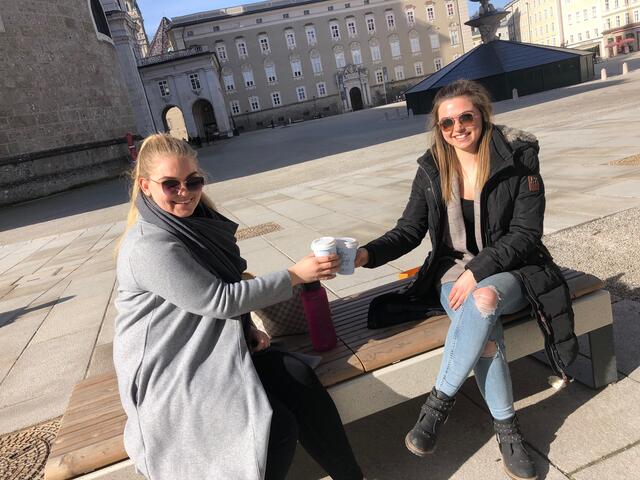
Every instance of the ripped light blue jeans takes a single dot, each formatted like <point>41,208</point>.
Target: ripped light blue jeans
<point>474,324</point>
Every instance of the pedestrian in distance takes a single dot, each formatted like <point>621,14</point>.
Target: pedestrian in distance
<point>479,195</point>
<point>205,396</point>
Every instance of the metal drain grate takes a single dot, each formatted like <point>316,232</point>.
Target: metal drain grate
<point>23,454</point>
<point>257,230</point>
<point>633,160</point>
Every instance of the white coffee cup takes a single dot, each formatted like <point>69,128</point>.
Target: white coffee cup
<point>347,248</point>
<point>324,246</point>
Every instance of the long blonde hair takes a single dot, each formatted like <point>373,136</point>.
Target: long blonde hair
<point>445,154</point>
<point>153,147</point>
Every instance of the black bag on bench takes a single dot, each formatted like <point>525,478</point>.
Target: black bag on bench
<point>400,307</point>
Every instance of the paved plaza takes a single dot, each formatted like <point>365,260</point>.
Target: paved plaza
<point>350,176</point>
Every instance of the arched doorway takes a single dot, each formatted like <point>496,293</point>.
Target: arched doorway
<point>355,95</point>
<point>173,121</point>
<point>205,120</point>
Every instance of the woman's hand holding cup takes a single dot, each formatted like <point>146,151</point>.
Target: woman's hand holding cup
<point>312,268</point>
<point>362,257</point>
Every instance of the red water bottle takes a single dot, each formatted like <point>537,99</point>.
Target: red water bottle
<point>316,309</point>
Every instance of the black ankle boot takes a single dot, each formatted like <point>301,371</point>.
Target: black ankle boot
<point>421,440</point>
<point>515,459</point>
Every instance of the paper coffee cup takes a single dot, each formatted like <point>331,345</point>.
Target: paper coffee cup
<point>324,246</point>
<point>347,248</point>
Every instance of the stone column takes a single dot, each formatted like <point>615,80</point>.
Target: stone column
<point>121,28</point>
<point>214,91</point>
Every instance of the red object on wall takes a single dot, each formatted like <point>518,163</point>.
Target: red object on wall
<point>132,146</point>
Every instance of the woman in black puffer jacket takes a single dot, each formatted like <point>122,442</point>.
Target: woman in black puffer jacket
<point>479,195</point>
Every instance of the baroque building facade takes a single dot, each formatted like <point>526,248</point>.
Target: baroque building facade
<point>287,61</point>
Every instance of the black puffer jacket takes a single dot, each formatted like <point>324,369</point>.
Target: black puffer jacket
<point>512,210</point>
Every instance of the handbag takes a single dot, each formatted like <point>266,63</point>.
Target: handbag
<point>399,307</point>
<point>282,318</point>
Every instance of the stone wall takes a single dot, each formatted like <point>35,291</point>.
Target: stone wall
<point>61,86</point>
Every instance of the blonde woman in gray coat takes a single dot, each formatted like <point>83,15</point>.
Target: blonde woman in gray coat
<point>204,396</point>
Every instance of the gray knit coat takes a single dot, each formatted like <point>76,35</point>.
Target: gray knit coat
<point>195,406</point>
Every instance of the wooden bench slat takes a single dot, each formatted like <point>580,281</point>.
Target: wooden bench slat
<point>92,436</point>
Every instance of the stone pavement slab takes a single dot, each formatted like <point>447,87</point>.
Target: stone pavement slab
<point>624,465</point>
<point>576,426</point>
<point>467,449</point>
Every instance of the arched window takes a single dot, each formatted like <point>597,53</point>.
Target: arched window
<point>270,71</point>
<point>394,44</point>
<point>296,66</point>
<point>374,47</point>
<point>99,19</point>
<point>414,41</point>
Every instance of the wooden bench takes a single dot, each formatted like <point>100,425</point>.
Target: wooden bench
<point>389,366</point>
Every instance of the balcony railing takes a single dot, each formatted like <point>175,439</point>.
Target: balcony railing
<point>164,57</point>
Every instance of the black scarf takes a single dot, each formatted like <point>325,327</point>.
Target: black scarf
<point>208,235</point>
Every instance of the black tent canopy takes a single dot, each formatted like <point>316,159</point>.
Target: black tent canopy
<point>504,65</point>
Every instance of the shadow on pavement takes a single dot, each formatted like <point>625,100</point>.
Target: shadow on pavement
<point>9,317</point>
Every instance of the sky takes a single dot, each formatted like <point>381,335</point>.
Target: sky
<point>154,10</point>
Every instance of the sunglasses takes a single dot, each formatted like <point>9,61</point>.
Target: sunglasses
<point>465,119</point>
<point>172,186</point>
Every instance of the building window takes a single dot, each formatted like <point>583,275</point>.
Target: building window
<point>216,28</point>
<point>418,68</point>
<point>580,36</point>
<point>347,5</point>
<point>371,25</point>
<point>270,73</point>
<point>394,43</point>
<point>595,32</point>
<point>229,84</point>
<point>195,81</point>
<point>316,61</point>
<point>437,63</point>
<point>616,3</point>
<point>608,23</point>
<point>235,107</point>
<point>306,12</point>
<point>594,12</point>
<point>375,51</point>
<point>301,93</point>
<point>285,15</point>
<point>578,17</point>
<point>264,44</point>
<point>431,13</point>
<point>275,99</point>
<point>321,89</point>
<point>340,60</point>
<point>379,76</point>
<point>241,45</point>
<point>391,21</point>
<point>290,37</point>
<point>636,17</point>
<point>627,18</point>
<point>330,8</point>
<point>247,75</point>
<point>164,88</point>
<point>189,33</point>
<point>296,67</point>
<point>617,20</point>
<point>310,32</point>
<point>411,16</point>
<point>569,19</point>
<point>606,4</point>
<point>414,41</point>
<point>221,50</point>
<point>334,30</point>
<point>451,11</point>
<point>587,34</point>
<point>254,103</point>
<point>352,31</point>
<point>399,72</point>
<point>356,54</point>
<point>570,38</point>
<point>434,38</point>
<point>258,20</point>
<point>99,19</point>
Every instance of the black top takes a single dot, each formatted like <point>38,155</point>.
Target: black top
<point>468,216</point>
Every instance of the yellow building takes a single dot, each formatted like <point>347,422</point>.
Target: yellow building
<point>536,21</point>
<point>582,24</point>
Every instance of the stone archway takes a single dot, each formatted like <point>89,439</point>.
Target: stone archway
<point>205,120</point>
<point>355,95</point>
<point>173,122</point>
